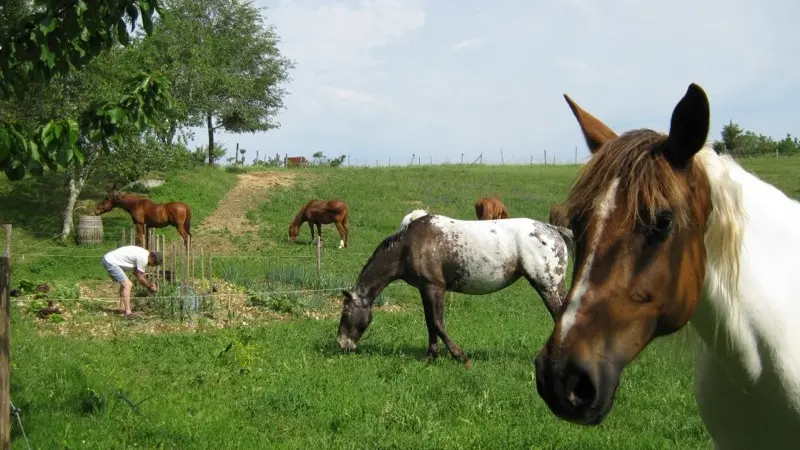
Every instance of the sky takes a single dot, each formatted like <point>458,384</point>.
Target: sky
<point>382,80</point>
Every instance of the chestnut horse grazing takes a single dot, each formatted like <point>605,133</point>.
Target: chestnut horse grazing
<point>490,208</point>
<point>668,232</point>
<point>436,254</point>
<point>319,212</point>
<point>144,211</point>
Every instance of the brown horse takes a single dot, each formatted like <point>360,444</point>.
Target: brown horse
<point>319,212</point>
<point>669,232</point>
<point>490,208</point>
<point>145,212</point>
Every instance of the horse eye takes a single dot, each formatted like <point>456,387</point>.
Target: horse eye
<point>662,225</point>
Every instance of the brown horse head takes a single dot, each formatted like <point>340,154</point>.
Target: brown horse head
<point>294,231</point>
<point>638,211</point>
<point>107,204</point>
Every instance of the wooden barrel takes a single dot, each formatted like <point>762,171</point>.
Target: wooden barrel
<point>90,230</point>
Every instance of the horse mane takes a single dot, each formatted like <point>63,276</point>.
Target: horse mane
<point>388,243</point>
<point>644,176</point>
<point>725,227</point>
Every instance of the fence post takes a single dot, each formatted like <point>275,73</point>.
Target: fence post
<point>319,258</point>
<point>5,344</point>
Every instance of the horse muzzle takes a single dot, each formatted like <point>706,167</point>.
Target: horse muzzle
<point>576,390</point>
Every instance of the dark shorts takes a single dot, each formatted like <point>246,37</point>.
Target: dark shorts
<point>116,272</point>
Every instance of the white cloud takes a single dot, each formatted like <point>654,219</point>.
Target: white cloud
<point>382,77</point>
<point>468,43</point>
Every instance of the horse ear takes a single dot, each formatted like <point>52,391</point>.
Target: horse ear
<point>594,131</point>
<point>689,128</point>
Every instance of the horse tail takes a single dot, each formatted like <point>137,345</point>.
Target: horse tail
<point>187,224</point>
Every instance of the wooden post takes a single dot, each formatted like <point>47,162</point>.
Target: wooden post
<point>124,238</point>
<point>545,157</point>
<point>173,262</point>
<point>502,161</point>
<point>202,268</point>
<point>5,344</point>
<point>133,235</point>
<point>319,258</point>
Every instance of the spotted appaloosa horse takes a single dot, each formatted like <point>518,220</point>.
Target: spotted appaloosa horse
<point>436,254</point>
<point>145,212</point>
<point>320,212</point>
<point>490,208</point>
<point>668,232</point>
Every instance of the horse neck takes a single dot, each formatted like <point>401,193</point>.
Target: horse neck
<point>125,202</point>
<point>749,286</point>
<point>382,268</point>
<point>300,217</point>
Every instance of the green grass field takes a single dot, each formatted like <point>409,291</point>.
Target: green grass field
<point>282,382</point>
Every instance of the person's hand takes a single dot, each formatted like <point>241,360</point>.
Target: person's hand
<point>153,288</point>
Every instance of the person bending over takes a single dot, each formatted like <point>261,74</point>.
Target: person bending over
<point>130,258</point>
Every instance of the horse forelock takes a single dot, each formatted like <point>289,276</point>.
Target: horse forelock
<point>646,182</point>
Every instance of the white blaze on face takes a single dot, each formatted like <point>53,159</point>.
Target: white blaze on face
<point>582,284</point>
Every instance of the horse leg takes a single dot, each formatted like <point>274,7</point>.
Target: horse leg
<point>311,225</point>
<point>433,338</point>
<point>319,230</point>
<point>435,296</point>
<point>553,297</point>
<point>342,235</point>
<point>140,233</point>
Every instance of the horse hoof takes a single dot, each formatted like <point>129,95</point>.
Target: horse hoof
<point>467,364</point>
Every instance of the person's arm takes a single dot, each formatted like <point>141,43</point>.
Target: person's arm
<point>140,276</point>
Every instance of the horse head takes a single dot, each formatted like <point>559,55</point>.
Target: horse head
<point>107,204</point>
<point>356,317</point>
<point>638,211</point>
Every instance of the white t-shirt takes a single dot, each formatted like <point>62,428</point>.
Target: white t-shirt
<point>129,257</point>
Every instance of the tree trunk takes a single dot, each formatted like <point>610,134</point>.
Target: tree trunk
<point>77,179</point>
<point>210,126</point>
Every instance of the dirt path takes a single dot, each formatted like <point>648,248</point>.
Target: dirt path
<point>227,229</point>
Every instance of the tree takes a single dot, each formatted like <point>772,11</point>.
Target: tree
<point>740,142</point>
<point>225,66</point>
<point>53,38</point>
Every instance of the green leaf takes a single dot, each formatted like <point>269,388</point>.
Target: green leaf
<point>85,35</point>
<point>47,134</point>
<point>147,19</point>
<point>47,56</point>
<point>47,25</point>
<point>122,33</point>
<point>57,129</point>
<point>133,13</point>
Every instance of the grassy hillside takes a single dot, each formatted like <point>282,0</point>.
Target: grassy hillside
<point>283,383</point>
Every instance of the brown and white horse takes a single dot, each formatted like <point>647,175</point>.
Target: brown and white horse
<point>666,231</point>
<point>436,254</point>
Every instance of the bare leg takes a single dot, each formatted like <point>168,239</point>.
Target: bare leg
<point>127,286</point>
<point>435,296</point>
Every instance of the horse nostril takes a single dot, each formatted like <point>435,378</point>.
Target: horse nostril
<point>580,391</point>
